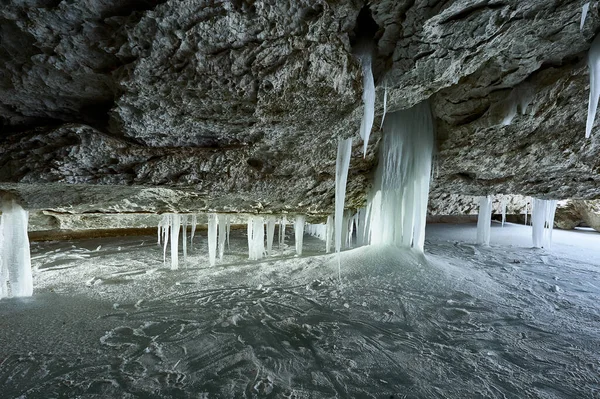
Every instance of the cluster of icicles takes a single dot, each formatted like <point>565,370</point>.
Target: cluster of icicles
<point>15,262</point>
<point>542,220</point>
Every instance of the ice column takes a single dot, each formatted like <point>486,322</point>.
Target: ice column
<point>542,222</point>
<point>328,234</point>
<point>594,64</point>
<point>227,228</point>
<point>271,220</point>
<point>503,206</point>
<point>368,99</point>
<point>194,222</point>
<point>484,220</point>
<point>165,223</point>
<point>299,232</point>
<point>184,222</point>
<point>212,238</point>
<point>175,224</point>
<point>222,224</point>
<point>15,260</point>
<point>397,204</point>
<point>256,237</point>
<point>341,176</point>
<point>282,224</point>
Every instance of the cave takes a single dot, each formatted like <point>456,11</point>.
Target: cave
<point>294,199</point>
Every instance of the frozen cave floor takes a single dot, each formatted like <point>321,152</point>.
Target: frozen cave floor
<point>109,319</point>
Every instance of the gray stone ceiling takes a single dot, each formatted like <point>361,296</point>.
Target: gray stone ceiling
<point>118,106</point>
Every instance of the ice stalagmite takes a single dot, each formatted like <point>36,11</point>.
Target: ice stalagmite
<point>542,222</point>
<point>484,220</point>
<point>212,238</point>
<point>594,64</point>
<point>329,234</point>
<point>271,220</point>
<point>397,204</point>
<point>15,258</point>
<point>194,222</point>
<point>256,237</point>
<point>503,206</point>
<point>175,225</point>
<point>368,99</point>
<point>341,176</point>
<point>299,232</point>
<point>584,12</point>
<point>222,236</point>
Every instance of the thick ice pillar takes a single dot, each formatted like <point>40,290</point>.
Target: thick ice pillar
<point>175,225</point>
<point>542,222</point>
<point>299,232</point>
<point>256,237</point>
<point>271,221</point>
<point>484,220</point>
<point>222,227</point>
<point>212,239</point>
<point>15,260</point>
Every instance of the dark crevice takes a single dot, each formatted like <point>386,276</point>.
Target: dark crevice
<point>365,31</point>
<point>475,8</point>
<point>126,8</point>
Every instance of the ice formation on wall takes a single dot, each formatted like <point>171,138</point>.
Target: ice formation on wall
<point>384,107</point>
<point>194,222</point>
<point>282,224</point>
<point>526,206</point>
<point>212,238</point>
<point>484,220</point>
<point>318,230</point>
<point>227,228</point>
<point>584,12</point>
<point>397,205</point>
<point>329,233</point>
<point>175,225</point>
<point>256,237</point>
<point>271,221</point>
<point>341,176</point>
<point>299,232</point>
<point>503,206</point>
<point>594,64</point>
<point>518,100</point>
<point>163,226</point>
<point>368,99</point>
<point>15,258</point>
<point>222,234</point>
<point>542,222</point>
<point>184,226</point>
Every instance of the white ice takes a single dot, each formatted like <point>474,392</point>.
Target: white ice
<point>384,107</point>
<point>503,206</point>
<point>175,225</point>
<point>584,12</point>
<point>15,258</point>
<point>484,220</point>
<point>222,236</point>
<point>256,237</point>
<point>368,100</point>
<point>397,204</point>
<point>594,64</point>
<point>341,176</point>
<point>542,222</point>
<point>184,226</point>
<point>271,221</point>
<point>299,232</point>
<point>329,234</point>
<point>212,238</point>
<point>282,225</point>
<point>194,222</point>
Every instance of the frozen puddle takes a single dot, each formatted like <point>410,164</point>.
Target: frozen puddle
<point>466,321</point>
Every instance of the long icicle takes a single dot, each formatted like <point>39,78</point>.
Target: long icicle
<point>341,177</point>
<point>368,100</point>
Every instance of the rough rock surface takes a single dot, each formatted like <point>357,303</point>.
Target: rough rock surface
<point>153,105</point>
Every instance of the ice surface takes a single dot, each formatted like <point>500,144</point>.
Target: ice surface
<point>368,99</point>
<point>341,176</point>
<point>526,206</point>
<point>212,238</point>
<point>329,234</point>
<point>397,204</point>
<point>271,221</point>
<point>222,236</point>
<point>227,228</point>
<point>594,64</point>
<point>175,226</point>
<point>15,258</point>
<point>584,12</point>
<point>542,222</point>
<point>256,237</point>
<point>299,232</point>
<point>484,220</point>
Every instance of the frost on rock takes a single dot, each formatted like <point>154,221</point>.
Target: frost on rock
<point>341,176</point>
<point>368,99</point>
<point>15,260</point>
<point>299,232</point>
<point>518,101</point>
<point>397,204</point>
<point>212,238</point>
<point>584,13</point>
<point>542,222</point>
<point>271,221</point>
<point>484,220</point>
<point>256,237</point>
<point>594,64</point>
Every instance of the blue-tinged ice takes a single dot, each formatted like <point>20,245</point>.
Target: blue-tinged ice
<point>594,64</point>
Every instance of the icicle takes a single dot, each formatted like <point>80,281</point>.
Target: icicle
<point>503,206</point>
<point>526,206</point>
<point>542,222</point>
<point>15,258</point>
<point>594,64</point>
<point>227,228</point>
<point>212,239</point>
<point>484,220</point>
<point>341,176</point>
<point>368,100</point>
<point>271,220</point>
<point>384,107</point>
<point>222,237</point>
<point>158,233</point>
<point>345,229</point>
<point>166,223</point>
<point>175,225</point>
<point>256,237</point>
<point>299,232</point>
<point>282,225</point>
<point>194,222</point>
<point>397,204</point>
<point>584,13</point>
<point>184,220</point>
<point>318,230</point>
<point>329,234</point>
